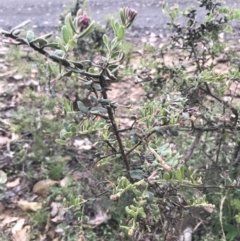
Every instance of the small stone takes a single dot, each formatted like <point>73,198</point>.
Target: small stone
<point>17,76</point>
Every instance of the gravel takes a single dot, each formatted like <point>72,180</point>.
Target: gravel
<point>45,14</point>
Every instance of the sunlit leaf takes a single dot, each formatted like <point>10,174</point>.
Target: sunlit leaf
<point>65,34</point>
<point>121,33</point>
<point>67,21</point>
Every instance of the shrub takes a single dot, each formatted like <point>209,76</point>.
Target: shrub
<point>181,145</point>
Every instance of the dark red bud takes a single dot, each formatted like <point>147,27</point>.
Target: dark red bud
<point>83,22</point>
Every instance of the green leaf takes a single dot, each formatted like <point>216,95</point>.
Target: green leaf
<point>58,52</point>
<point>87,84</point>
<point>97,87</point>
<point>136,174</point>
<point>121,32</point>
<point>98,109</point>
<point>60,44</point>
<point>92,71</point>
<point>113,68</point>
<point>117,25</point>
<point>123,182</point>
<point>73,24</point>
<point>113,26</point>
<point>105,101</point>
<point>60,141</point>
<point>30,35</point>
<point>40,41</point>
<point>158,129</point>
<point>189,173</point>
<point>166,176</point>
<point>110,75</point>
<point>3,177</point>
<point>82,107</point>
<point>126,229</point>
<point>115,54</point>
<point>17,32</point>
<point>77,64</point>
<point>65,125</point>
<point>165,150</point>
<point>72,43</point>
<point>173,160</point>
<point>67,21</point>
<point>73,127</point>
<point>178,174</point>
<point>135,139</point>
<point>105,40</point>
<point>130,212</point>
<point>62,133</point>
<point>141,212</point>
<point>67,135</point>
<point>182,169</point>
<point>123,16</point>
<point>65,34</point>
<point>114,44</point>
<point>231,230</point>
<point>60,60</point>
<point>67,106</point>
<point>174,132</point>
<point>21,25</point>
<point>46,36</point>
<point>93,100</point>
<point>51,45</point>
<point>150,196</point>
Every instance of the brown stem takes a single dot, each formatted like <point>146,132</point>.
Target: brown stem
<point>114,125</point>
<point>191,148</point>
<point>139,143</point>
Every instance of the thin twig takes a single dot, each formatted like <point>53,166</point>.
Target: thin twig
<point>139,143</point>
<point>47,55</point>
<point>191,148</point>
<point>112,154</point>
<point>226,104</point>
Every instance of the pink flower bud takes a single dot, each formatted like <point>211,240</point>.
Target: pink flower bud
<point>131,14</point>
<point>83,22</point>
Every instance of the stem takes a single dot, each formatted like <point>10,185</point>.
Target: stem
<point>46,54</point>
<point>114,125</point>
<point>191,148</point>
